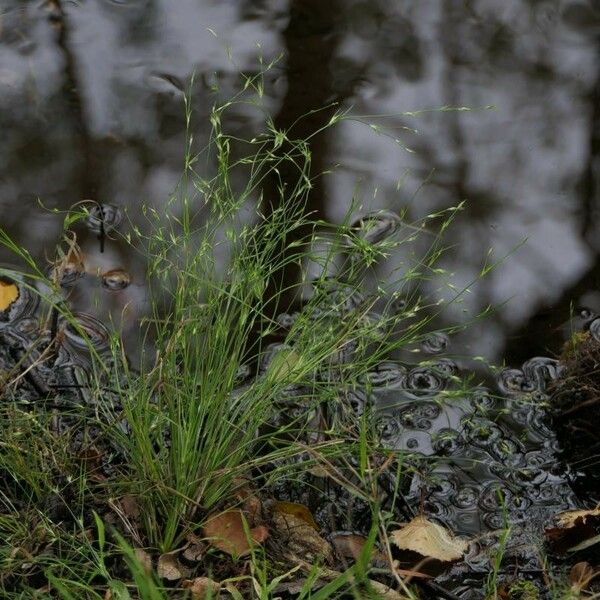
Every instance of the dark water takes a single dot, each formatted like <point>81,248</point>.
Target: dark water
<point>91,107</point>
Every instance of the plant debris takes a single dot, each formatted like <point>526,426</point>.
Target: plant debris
<point>144,559</point>
<point>225,531</point>
<point>297,510</point>
<point>300,539</point>
<point>202,587</point>
<point>581,576</point>
<point>575,530</point>
<point>429,540</point>
<point>170,568</point>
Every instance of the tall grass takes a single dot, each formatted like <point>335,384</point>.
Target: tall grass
<point>180,427</point>
<point>192,433</point>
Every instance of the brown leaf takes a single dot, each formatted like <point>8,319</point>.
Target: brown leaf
<point>130,507</point>
<point>572,518</point>
<point>252,508</point>
<point>192,538</point>
<point>259,534</point>
<point>348,545</point>
<point>170,568</point>
<point>128,511</point>
<point>91,459</point>
<point>250,503</point>
<point>298,510</point>
<point>573,529</point>
<point>429,539</point>
<point>202,587</point>
<point>300,538</point>
<point>319,471</point>
<point>581,575</point>
<point>225,531</point>
<point>144,559</point>
<point>194,552</point>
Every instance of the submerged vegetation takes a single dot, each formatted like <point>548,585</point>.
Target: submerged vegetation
<point>244,455</point>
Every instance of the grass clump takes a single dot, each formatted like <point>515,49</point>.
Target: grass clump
<point>244,379</point>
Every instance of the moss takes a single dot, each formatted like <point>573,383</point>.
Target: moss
<point>579,384</point>
<point>523,590</point>
<point>573,346</point>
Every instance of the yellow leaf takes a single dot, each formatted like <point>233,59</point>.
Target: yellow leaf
<point>429,539</point>
<point>9,292</point>
<point>298,510</point>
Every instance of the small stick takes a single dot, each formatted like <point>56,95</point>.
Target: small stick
<point>439,590</point>
<point>102,233</point>
<point>53,324</point>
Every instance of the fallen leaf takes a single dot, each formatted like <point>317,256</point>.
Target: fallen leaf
<point>575,530</point>
<point>130,506</point>
<point>571,518</point>
<point>300,538</point>
<point>91,457</point>
<point>9,292</point>
<point>225,531</point>
<point>581,575</point>
<point>579,571</point>
<point>192,538</point>
<point>252,508</point>
<point>298,510</point>
<point>170,568</point>
<point>128,511</point>
<point>259,534</point>
<point>251,504</point>
<point>144,559</point>
<point>202,587</point>
<point>429,539</point>
<point>503,592</point>
<point>194,552</point>
<point>319,471</point>
<point>348,545</point>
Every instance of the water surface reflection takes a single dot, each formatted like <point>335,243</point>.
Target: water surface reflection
<point>91,107</point>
